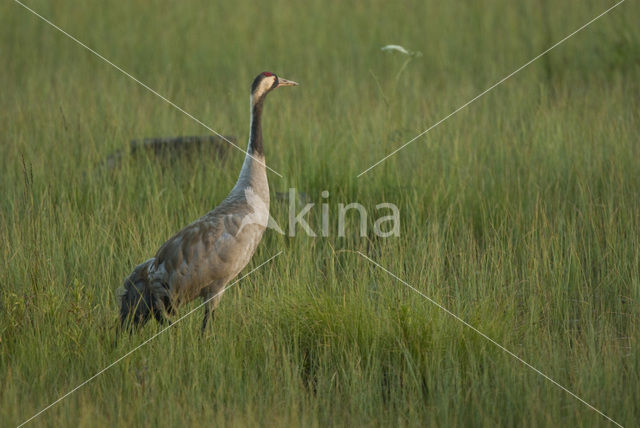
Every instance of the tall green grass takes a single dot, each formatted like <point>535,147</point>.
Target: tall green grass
<point>520,213</point>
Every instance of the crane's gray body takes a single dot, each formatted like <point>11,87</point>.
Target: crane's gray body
<point>201,259</point>
<point>204,256</point>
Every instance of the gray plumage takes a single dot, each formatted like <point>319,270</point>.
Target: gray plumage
<point>201,259</point>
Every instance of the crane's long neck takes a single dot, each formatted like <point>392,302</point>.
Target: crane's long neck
<point>255,137</point>
<point>254,171</point>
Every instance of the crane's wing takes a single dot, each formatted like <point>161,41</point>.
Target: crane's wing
<point>215,247</point>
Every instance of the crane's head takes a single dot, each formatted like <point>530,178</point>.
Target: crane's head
<point>264,83</point>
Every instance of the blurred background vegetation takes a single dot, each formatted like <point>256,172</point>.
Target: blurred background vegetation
<point>520,213</point>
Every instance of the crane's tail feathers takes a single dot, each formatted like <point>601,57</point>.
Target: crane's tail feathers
<point>140,299</point>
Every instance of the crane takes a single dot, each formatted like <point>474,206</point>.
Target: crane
<point>204,256</point>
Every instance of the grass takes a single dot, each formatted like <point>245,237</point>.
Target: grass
<point>520,213</point>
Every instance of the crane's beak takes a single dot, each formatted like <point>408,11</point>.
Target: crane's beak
<point>285,82</point>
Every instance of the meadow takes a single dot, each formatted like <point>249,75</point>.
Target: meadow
<point>520,214</point>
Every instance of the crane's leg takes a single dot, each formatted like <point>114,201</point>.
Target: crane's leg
<point>209,308</point>
<point>208,313</point>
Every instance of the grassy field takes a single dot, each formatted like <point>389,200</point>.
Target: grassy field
<point>520,214</point>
